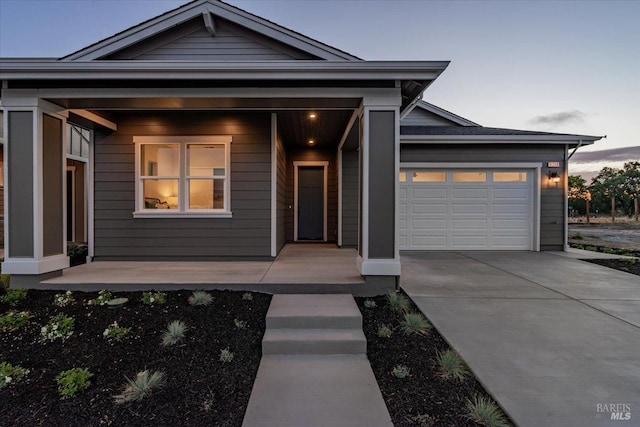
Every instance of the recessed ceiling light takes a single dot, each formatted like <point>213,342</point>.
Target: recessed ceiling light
<point>311,142</point>
<point>312,115</point>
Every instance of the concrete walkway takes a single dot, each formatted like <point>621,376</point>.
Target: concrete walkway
<point>314,370</point>
<point>553,339</point>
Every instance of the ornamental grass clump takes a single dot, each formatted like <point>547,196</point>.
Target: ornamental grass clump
<point>13,320</point>
<point>12,296</point>
<point>59,327</point>
<point>5,281</point>
<point>63,300</point>
<point>385,331</point>
<point>73,381</point>
<point>247,296</point>
<point>104,296</point>
<point>10,374</point>
<point>151,298</point>
<point>141,386</point>
<point>175,333</point>
<point>226,356</point>
<point>115,332</point>
<point>400,371</point>
<point>485,412</point>
<point>451,366</point>
<point>369,303</point>
<point>200,298</point>
<point>415,324</point>
<point>240,324</point>
<point>398,302</point>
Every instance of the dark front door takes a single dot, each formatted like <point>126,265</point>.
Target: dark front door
<point>310,203</point>
<point>70,206</point>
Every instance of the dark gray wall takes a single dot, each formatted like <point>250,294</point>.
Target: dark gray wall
<point>382,178</point>
<point>52,187</point>
<point>281,196</point>
<point>20,184</point>
<point>118,236</point>
<point>350,174</point>
<point>551,197</point>
<point>313,154</point>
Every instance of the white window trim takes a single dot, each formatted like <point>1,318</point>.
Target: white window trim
<point>183,180</point>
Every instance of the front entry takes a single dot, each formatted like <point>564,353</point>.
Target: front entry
<point>311,203</point>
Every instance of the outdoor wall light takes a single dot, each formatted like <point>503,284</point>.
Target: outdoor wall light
<point>311,142</point>
<point>554,177</point>
<point>312,115</point>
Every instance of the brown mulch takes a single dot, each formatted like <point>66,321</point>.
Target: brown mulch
<point>628,266</point>
<point>200,390</point>
<point>424,392</point>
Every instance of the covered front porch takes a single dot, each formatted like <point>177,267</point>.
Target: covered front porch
<point>299,268</point>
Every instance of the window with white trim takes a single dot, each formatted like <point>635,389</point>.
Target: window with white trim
<point>183,176</point>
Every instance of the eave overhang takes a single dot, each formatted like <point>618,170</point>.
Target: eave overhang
<point>563,139</point>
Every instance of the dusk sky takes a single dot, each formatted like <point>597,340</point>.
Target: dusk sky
<point>569,67</point>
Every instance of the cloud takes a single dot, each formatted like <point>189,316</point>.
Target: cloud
<point>560,118</point>
<point>624,154</point>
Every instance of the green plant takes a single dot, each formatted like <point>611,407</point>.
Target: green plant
<point>5,281</point>
<point>150,298</point>
<point>400,371</point>
<point>385,331</point>
<point>247,296</point>
<point>484,411</point>
<point>398,302</point>
<point>13,320</point>
<point>226,356</point>
<point>14,295</point>
<point>591,248</point>
<point>103,297</point>
<point>62,300</point>
<point>240,324</point>
<point>631,261</point>
<point>174,333</point>
<point>415,323</point>
<point>73,381</point>
<point>11,374</point>
<point>200,298</point>
<point>369,303</point>
<point>140,387</point>
<point>451,365</point>
<point>115,332</point>
<point>577,236</point>
<point>424,420</point>
<point>59,327</point>
<point>609,251</point>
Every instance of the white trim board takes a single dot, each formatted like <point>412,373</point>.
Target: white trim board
<point>296,166</point>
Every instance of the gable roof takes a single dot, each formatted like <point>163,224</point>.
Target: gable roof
<point>208,10</point>
<point>448,116</point>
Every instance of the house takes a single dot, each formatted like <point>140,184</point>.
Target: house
<point>209,133</point>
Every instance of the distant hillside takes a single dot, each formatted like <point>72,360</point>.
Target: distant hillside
<point>589,163</point>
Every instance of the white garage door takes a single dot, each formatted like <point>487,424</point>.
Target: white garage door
<point>466,209</point>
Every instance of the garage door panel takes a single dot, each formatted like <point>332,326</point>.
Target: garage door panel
<point>402,223</point>
<point>403,192</point>
<point>428,242</point>
<point>469,224</point>
<point>428,224</point>
<point>510,208</point>
<point>509,243</point>
<point>428,208</point>
<point>428,193</point>
<point>469,193</point>
<point>469,242</point>
<point>469,208</point>
<point>510,224</point>
<point>510,193</point>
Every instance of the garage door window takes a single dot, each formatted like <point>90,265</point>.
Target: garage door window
<point>402,177</point>
<point>469,177</point>
<point>429,177</point>
<point>509,177</point>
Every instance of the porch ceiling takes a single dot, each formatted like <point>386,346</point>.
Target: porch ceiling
<point>297,128</point>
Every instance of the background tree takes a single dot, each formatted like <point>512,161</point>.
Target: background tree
<point>609,183</point>
<point>631,179</point>
<point>579,194</point>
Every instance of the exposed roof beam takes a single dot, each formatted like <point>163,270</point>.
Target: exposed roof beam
<point>96,119</point>
<point>209,23</point>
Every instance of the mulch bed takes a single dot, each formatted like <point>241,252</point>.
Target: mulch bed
<point>200,390</point>
<point>424,392</point>
<point>632,267</point>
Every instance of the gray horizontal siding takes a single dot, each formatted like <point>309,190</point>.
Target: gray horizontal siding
<point>118,236</point>
<point>420,117</point>
<point>552,212</point>
<point>350,177</point>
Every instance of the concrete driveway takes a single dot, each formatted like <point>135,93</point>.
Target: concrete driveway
<point>555,340</point>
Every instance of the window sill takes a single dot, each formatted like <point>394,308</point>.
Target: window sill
<point>182,215</point>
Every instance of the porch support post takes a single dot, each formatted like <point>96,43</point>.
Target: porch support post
<point>35,208</point>
<point>379,167</point>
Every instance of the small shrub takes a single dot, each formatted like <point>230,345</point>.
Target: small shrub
<point>14,295</point>
<point>77,253</point>
<point>369,303</point>
<point>59,327</point>
<point>247,296</point>
<point>13,320</point>
<point>11,374</point>
<point>115,332</point>
<point>398,302</point>
<point>150,298</point>
<point>424,420</point>
<point>63,300</point>
<point>240,324</point>
<point>5,281</point>
<point>578,236</point>
<point>591,248</point>
<point>451,365</point>
<point>200,298</point>
<point>385,331</point>
<point>484,411</point>
<point>226,356</point>
<point>73,381</point>
<point>609,251</point>
<point>174,333</point>
<point>140,387</point>
<point>103,297</point>
<point>415,323</point>
<point>631,261</point>
<point>400,371</point>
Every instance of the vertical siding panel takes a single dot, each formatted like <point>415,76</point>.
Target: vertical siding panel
<point>350,175</point>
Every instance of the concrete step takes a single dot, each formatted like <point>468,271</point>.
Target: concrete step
<point>314,341</point>
<point>300,311</point>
